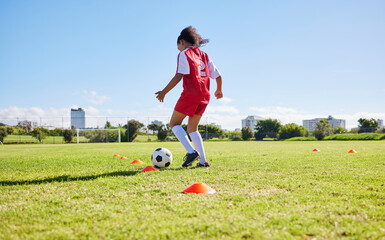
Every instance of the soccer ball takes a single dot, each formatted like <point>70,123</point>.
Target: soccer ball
<point>161,157</point>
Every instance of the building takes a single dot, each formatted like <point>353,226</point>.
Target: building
<point>78,119</point>
<point>27,125</point>
<point>311,124</point>
<point>380,123</point>
<point>251,121</point>
<point>48,127</point>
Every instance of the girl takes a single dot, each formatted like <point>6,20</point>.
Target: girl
<point>196,69</point>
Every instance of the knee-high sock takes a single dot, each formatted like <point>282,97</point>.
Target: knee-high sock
<point>181,135</point>
<point>198,144</point>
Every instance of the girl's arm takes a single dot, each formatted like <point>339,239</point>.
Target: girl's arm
<point>218,92</point>
<point>174,81</point>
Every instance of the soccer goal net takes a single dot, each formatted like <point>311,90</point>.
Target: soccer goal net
<point>97,135</point>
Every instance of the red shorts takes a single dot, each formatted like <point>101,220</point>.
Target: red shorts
<point>190,108</point>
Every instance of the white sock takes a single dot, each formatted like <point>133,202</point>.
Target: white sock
<point>198,144</point>
<point>181,135</point>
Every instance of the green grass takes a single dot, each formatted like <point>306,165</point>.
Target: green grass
<point>360,136</point>
<point>20,139</point>
<point>12,139</point>
<point>146,138</point>
<point>302,139</point>
<point>265,190</point>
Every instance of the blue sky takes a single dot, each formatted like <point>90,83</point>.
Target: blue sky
<point>290,60</point>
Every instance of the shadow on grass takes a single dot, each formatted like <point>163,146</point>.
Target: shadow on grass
<point>67,178</point>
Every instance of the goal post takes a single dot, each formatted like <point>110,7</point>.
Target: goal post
<point>95,135</point>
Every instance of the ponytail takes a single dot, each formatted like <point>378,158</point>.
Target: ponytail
<point>190,35</point>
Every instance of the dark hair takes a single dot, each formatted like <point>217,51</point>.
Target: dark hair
<point>189,34</point>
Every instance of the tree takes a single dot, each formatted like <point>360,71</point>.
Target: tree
<point>9,130</point>
<point>39,134</point>
<point>354,130</point>
<point>236,136</point>
<point>259,135</point>
<point>73,129</point>
<point>55,132</point>
<point>114,135</point>
<point>247,133</point>
<point>367,125</point>
<point>68,135</point>
<point>269,127</point>
<point>211,130</point>
<point>20,131</point>
<point>27,127</point>
<point>108,125</point>
<point>132,127</point>
<point>3,133</point>
<point>163,132</point>
<point>154,127</point>
<point>339,130</point>
<point>291,130</point>
<point>322,129</point>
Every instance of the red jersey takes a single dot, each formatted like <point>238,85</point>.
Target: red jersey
<point>197,69</point>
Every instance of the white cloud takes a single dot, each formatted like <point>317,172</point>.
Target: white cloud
<point>91,111</point>
<point>14,112</point>
<point>92,97</point>
<point>113,111</point>
<point>225,100</point>
<point>57,117</point>
<point>221,109</point>
<point>269,110</point>
<point>96,99</point>
<point>53,116</point>
<point>227,121</point>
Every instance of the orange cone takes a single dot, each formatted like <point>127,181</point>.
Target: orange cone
<point>352,151</point>
<point>137,161</point>
<point>123,158</point>
<point>199,188</point>
<point>316,150</point>
<point>116,155</point>
<point>149,169</point>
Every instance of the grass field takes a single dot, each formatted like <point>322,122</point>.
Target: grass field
<point>12,139</point>
<point>265,190</point>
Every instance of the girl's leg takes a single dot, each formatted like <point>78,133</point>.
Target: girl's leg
<point>180,133</point>
<point>196,137</point>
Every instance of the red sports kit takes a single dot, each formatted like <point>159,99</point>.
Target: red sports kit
<point>197,69</point>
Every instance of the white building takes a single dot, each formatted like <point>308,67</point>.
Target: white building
<point>78,119</point>
<point>251,121</point>
<point>311,124</point>
<point>380,123</point>
<point>48,127</point>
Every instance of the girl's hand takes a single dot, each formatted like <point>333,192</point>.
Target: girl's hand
<point>160,95</point>
<point>218,94</point>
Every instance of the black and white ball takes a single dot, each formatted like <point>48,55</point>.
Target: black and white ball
<point>161,157</point>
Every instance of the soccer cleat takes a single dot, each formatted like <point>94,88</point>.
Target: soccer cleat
<point>203,165</point>
<point>190,158</point>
